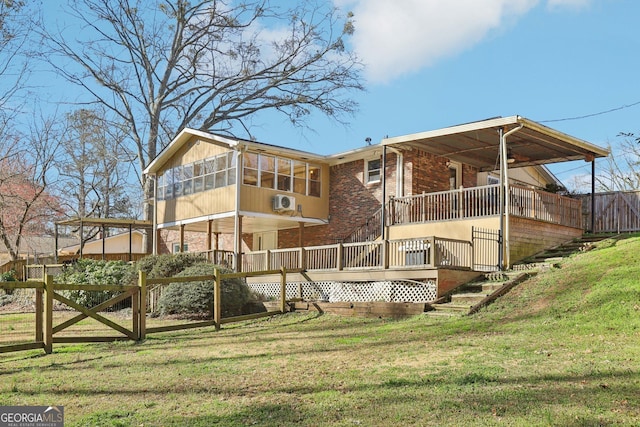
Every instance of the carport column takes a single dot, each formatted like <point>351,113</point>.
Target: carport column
<point>209,231</point>
<point>593,195</point>
<point>238,243</point>
<point>505,198</point>
<point>504,201</point>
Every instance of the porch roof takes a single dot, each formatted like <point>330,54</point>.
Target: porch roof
<point>477,143</point>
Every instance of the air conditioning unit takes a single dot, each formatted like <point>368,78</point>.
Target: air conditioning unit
<point>283,203</point>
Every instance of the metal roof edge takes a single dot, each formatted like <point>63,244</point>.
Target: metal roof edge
<point>587,146</point>
<point>467,127</point>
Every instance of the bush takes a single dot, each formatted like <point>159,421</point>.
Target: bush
<point>166,265</point>
<point>9,276</point>
<point>92,272</point>
<point>196,298</point>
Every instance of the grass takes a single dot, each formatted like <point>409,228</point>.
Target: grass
<point>560,349</point>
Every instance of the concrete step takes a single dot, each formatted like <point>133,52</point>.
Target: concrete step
<point>468,298</point>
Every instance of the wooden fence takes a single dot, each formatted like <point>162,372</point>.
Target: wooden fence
<point>49,296</point>
<point>615,212</point>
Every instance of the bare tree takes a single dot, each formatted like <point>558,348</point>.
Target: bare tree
<point>208,64</point>
<point>622,170</point>
<point>26,206</point>
<point>94,165</point>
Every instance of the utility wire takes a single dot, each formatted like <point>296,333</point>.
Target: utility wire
<point>591,115</point>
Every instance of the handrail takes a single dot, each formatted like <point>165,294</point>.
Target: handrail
<point>483,201</point>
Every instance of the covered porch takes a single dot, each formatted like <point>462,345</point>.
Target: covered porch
<point>501,144</point>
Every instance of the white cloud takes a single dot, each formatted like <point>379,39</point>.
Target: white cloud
<point>398,37</point>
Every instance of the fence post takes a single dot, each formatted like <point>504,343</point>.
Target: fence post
<point>217,306</point>
<point>48,314</point>
<point>283,289</point>
<point>39,294</point>
<point>142,308</point>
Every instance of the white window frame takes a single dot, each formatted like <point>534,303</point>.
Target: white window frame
<point>367,176</point>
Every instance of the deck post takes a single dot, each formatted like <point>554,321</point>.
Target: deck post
<point>340,255</point>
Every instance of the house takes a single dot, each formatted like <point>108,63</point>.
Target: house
<point>427,208</point>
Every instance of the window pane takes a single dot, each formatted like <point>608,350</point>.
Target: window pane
<point>314,181</point>
<point>314,188</point>
<point>198,184</point>
<point>231,176</point>
<point>209,182</point>
<point>284,174</point>
<point>221,162</point>
<point>198,169</point>
<point>209,166</point>
<point>187,172</point>
<point>267,179</point>
<point>267,163</point>
<point>187,186</point>
<point>221,179</point>
<point>250,172</point>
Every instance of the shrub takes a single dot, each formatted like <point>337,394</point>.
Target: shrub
<point>92,272</point>
<point>196,298</point>
<point>166,265</point>
<point>9,276</point>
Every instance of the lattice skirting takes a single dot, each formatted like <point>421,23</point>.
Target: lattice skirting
<point>387,291</point>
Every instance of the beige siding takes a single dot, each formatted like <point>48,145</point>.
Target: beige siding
<point>197,205</point>
<point>260,200</point>
<point>448,229</point>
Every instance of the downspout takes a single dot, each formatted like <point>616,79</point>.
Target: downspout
<point>504,177</point>
<point>154,231</point>
<point>399,171</point>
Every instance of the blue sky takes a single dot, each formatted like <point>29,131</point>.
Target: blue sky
<point>435,63</point>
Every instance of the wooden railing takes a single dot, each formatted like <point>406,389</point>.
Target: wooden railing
<point>484,201</point>
<point>368,231</point>
<point>404,253</point>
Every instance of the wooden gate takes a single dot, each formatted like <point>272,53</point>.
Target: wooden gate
<point>615,212</point>
<point>487,245</point>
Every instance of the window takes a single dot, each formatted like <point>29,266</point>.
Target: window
<point>314,181</point>
<point>299,177</point>
<point>373,171</point>
<point>215,172</point>
<point>267,171</point>
<point>176,248</point>
<point>284,174</point>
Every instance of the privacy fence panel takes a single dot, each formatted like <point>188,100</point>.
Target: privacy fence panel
<point>615,212</point>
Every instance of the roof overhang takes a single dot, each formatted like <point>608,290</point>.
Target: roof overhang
<point>107,222</point>
<point>234,144</point>
<point>477,144</point>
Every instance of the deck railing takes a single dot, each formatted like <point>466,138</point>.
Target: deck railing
<point>403,253</point>
<point>483,201</point>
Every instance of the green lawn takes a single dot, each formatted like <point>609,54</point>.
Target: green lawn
<point>560,349</point>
